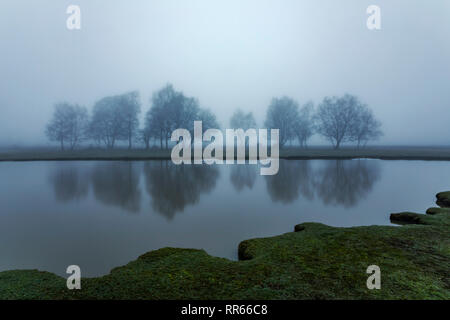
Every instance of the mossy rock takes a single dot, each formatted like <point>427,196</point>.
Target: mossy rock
<point>443,199</point>
<point>434,211</point>
<point>408,218</point>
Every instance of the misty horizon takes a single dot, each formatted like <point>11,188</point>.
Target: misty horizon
<point>230,56</point>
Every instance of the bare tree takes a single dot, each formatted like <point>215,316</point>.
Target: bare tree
<point>130,107</point>
<point>159,117</point>
<point>68,125</point>
<point>241,120</point>
<point>172,110</point>
<point>304,127</point>
<point>146,135</point>
<point>209,120</point>
<point>152,128</point>
<point>282,114</point>
<point>337,118</point>
<point>244,121</point>
<point>106,123</point>
<point>367,127</point>
<point>115,118</point>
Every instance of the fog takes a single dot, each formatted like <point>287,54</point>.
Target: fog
<point>229,54</point>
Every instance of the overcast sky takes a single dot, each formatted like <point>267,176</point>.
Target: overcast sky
<point>229,54</point>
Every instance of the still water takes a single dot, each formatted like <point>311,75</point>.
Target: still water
<point>100,215</point>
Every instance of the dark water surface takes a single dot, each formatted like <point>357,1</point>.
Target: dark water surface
<point>100,215</point>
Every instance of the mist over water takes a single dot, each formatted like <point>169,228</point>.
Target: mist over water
<point>100,215</point>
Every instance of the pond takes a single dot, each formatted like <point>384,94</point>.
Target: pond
<point>100,215</point>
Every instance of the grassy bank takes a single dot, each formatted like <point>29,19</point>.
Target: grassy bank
<point>314,262</point>
<point>387,153</point>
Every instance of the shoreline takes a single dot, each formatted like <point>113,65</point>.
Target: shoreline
<point>315,261</point>
<point>378,153</point>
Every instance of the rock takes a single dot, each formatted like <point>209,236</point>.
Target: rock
<point>243,252</point>
<point>407,218</point>
<point>433,211</point>
<point>443,199</point>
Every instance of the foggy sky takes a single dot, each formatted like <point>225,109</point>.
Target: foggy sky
<point>229,54</point>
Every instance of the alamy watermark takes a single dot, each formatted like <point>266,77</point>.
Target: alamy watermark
<point>73,22</point>
<point>374,19</point>
<point>257,141</point>
<point>74,280</point>
<point>374,280</point>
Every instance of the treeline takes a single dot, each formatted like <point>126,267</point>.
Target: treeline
<point>116,118</point>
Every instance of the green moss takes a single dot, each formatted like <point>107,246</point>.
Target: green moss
<point>443,199</point>
<point>433,211</point>
<point>320,262</point>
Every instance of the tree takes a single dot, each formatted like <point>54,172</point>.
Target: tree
<point>209,120</point>
<point>304,127</point>
<point>163,114</point>
<point>337,118</point>
<point>130,107</point>
<point>282,114</point>
<point>151,128</point>
<point>106,123</point>
<point>172,110</point>
<point>367,128</point>
<point>68,125</point>
<point>241,120</point>
<point>115,118</point>
<point>146,135</point>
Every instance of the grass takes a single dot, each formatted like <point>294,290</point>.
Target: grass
<point>316,262</point>
<point>387,153</point>
<point>50,154</point>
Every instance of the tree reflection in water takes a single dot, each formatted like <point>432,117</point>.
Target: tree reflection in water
<point>346,182</point>
<point>339,182</point>
<point>243,176</point>
<point>69,182</point>
<point>293,178</point>
<point>116,183</point>
<point>173,187</point>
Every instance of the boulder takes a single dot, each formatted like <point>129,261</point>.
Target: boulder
<point>443,199</point>
<point>434,210</point>
<point>407,218</point>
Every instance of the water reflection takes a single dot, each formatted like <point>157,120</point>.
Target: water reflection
<point>337,182</point>
<point>243,176</point>
<point>285,186</point>
<point>173,187</point>
<point>116,183</point>
<point>346,182</point>
<point>69,182</point>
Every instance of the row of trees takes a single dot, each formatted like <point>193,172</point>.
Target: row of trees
<point>338,119</point>
<point>113,118</point>
<point>116,118</point>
